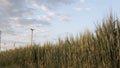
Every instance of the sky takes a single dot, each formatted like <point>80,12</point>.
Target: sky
<point>51,19</point>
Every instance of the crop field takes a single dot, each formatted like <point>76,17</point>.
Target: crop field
<point>87,50</point>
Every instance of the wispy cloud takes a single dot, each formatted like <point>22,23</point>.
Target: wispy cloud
<point>64,18</point>
<point>18,16</point>
<point>82,9</point>
<point>24,12</point>
<point>78,9</point>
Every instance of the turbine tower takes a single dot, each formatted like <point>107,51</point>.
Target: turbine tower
<point>32,36</point>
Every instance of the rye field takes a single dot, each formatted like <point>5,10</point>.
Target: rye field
<point>100,49</point>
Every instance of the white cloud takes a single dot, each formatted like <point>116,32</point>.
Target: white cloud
<point>48,16</point>
<point>82,9</point>
<point>24,11</point>
<point>42,7</point>
<point>64,18</point>
<point>51,13</point>
<point>18,16</point>
<point>78,9</point>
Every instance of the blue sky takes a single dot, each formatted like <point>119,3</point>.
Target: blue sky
<point>51,19</point>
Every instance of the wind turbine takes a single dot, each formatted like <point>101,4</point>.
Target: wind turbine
<point>32,36</point>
